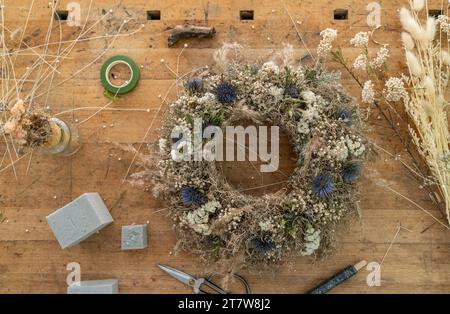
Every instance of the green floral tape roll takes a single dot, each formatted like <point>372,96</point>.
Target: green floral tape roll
<point>129,84</point>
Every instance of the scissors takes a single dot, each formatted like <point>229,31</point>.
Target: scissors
<point>197,283</point>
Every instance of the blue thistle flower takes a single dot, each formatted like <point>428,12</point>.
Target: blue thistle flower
<point>346,116</point>
<point>191,196</point>
<point>292,91</point>
<point>263,246</point>
<point>226,93</point>
<point>290,217</point>
<point>322,186</point>
<point>194,85</point>
<point>351,172</point>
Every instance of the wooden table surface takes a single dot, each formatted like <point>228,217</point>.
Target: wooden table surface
<point>418,261</point>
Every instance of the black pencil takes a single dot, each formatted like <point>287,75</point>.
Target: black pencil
<point>337,279</point>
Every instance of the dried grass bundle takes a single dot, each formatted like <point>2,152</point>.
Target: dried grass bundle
<point>428,65</point>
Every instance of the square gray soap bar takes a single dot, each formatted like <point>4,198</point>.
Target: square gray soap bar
<point>134,237</point>
<point>108,286</point>
<point>79,219</point>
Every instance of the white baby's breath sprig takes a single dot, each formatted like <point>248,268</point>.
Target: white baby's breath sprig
<point>381,57</point>
<point>360,62</point>
<point>361,40</point>
<point>328,35</point>
<point>368,93</point>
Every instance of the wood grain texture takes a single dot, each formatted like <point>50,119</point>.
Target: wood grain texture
<point>32,262</point>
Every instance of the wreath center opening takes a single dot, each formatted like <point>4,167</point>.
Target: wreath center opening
<point>246,176</point>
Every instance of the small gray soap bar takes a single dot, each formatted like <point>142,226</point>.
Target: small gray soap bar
<point>79,219</point>
<point>134,237</point>
<point>108,286</point>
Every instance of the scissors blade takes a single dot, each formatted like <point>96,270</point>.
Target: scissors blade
<point>178,274</point>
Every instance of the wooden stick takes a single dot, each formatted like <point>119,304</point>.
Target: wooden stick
<point>189,31</point>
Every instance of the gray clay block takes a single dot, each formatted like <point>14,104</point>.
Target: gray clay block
<point>134,237</point>
<point>108,286</point>
<point>79,219</point>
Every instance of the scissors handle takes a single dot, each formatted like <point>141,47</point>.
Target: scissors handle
<point>207,282</point>
<point>202,281</point>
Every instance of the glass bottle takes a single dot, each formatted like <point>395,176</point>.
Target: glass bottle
<point>64,139</point>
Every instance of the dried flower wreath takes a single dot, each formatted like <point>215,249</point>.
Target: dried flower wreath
<point>233,230</point>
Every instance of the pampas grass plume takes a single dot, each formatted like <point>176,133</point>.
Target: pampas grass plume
<point>411,25</point>
<point>413,64</point>
<point>408,41</point>
<point>418,5</point>
<point>431,29</point>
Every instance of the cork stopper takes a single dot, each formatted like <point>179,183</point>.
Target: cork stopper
<point>360,265</point>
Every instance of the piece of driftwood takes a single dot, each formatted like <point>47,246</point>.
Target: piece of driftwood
<point>189,31</point>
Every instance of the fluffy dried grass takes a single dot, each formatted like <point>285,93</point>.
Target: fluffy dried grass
<point>428,66</point>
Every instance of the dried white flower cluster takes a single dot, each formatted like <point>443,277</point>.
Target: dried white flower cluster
<point>368,94</point>
<point>395,90</point>
<point>312,240</point>
<point>444,22</point>
<point>381,57</point>
<point>361,40</point>
<point>329,35</point>
<point>311,113</point>
<point>354,145</point>
<point>360,62</point>
<point>198,219</point>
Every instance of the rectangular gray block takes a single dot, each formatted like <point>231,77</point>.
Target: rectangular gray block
<point>134,237</point>
<point>79,219</point>
<point>108,286</point>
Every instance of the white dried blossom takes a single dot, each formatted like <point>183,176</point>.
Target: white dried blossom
<point>360,62</point>
<point>198,219</point>
<point>267,225</point>
<point>341,151</point>
<point>355,147</point>
<point>329,35</point>
<point>395,89</point>
<point>162,145</point>
<point>309,97</point>
<point>380,59</point>
<point>312,241</point>
<point>368,94</point>
<point>444,22</point>
<point>303,127</point>
<point>361,40</point>
<point>311,114</point>
<point>208,98</point>
<point>270,67</point>
<point>276,92</point>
